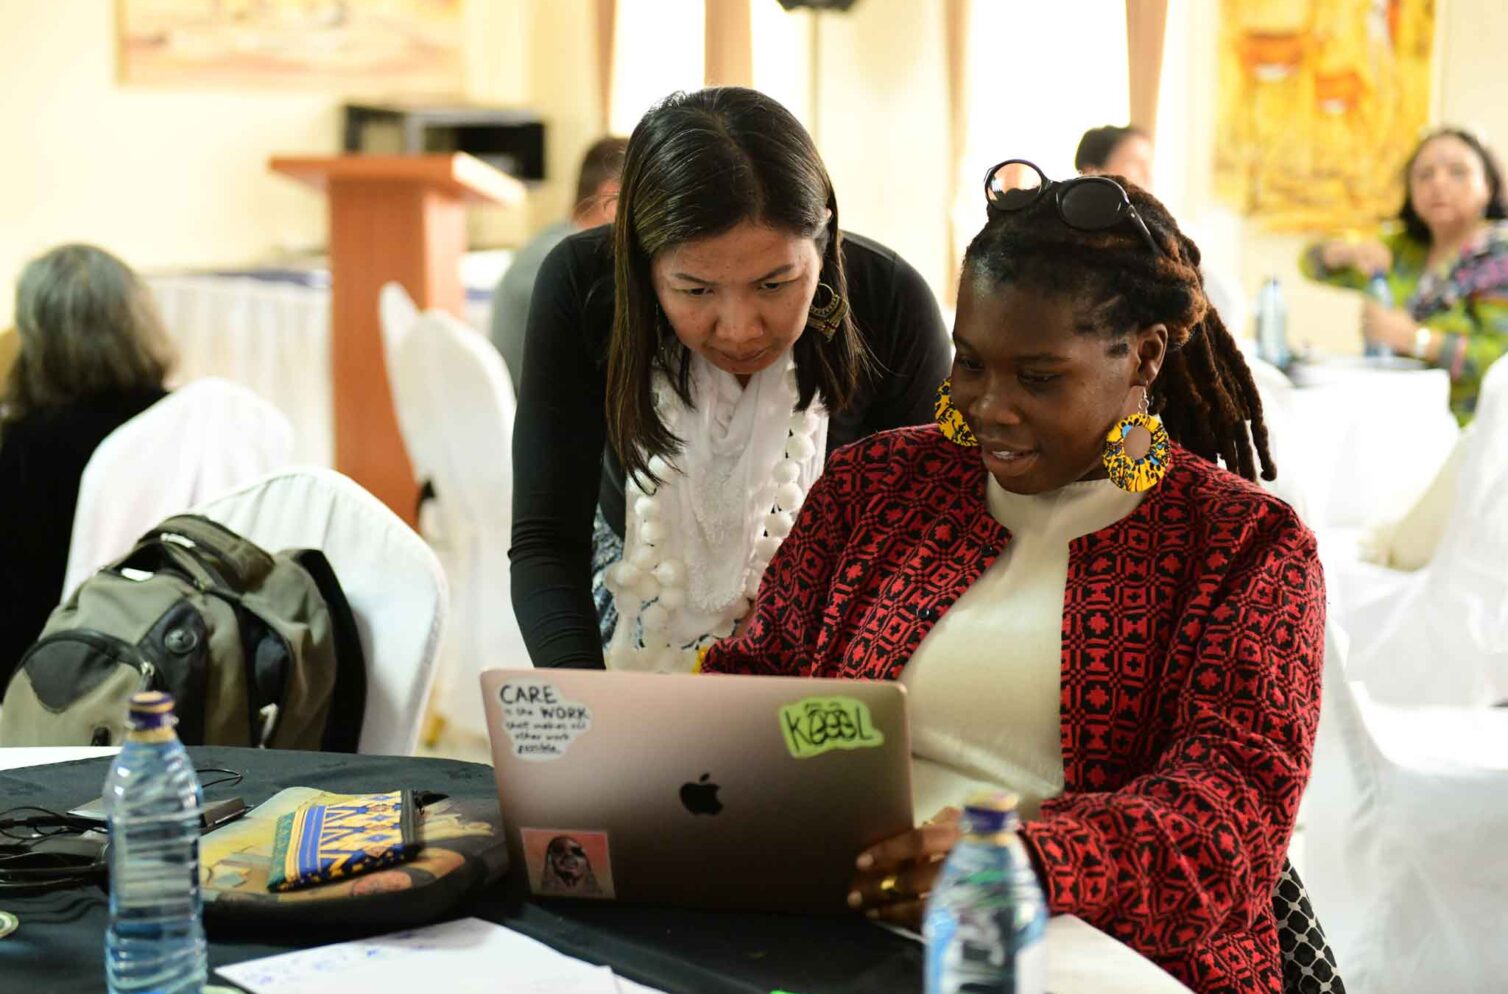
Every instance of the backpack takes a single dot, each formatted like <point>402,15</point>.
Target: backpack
<point>256,649</point>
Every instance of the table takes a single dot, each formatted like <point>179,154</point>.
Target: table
<point>269,330</point>
<point>675,950</point>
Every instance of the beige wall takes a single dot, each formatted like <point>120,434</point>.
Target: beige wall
<point>172,177</point>
<point>881,120</point>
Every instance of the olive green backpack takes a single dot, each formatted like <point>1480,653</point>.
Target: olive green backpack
<point>256,649</point>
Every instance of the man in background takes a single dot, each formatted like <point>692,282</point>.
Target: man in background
<point>596,202</point>
<point>1127,151</point>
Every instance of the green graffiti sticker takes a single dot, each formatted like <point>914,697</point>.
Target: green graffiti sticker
<point>814,725</point>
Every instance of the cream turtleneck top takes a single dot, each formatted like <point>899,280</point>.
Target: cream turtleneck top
<point>983,686</point>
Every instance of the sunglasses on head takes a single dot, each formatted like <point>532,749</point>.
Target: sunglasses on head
<point>1086,203</point>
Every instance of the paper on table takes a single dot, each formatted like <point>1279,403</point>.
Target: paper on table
<point>472,956</point>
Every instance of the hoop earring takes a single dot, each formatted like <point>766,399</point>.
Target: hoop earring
<point>827,317</point>
<point>950,419</point>
<point>1138,475</point>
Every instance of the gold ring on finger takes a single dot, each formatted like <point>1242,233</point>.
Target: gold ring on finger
<point>890,886</point>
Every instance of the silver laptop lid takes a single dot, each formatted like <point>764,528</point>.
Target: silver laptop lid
<point>719,791</point>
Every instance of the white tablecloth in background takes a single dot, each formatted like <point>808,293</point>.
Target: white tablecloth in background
<point>271,332</point>
<point>1362,441</point>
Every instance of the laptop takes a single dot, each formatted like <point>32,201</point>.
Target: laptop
<point>711,791</point>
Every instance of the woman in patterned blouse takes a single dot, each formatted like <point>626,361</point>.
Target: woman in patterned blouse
<point>1143,669</point>
<point>1447,268</point>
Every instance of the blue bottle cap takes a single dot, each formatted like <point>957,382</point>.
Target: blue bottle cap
<point>989,812</point>
<point>151,709</point>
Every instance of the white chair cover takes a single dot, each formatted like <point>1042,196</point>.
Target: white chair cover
<point>393,582</point>
<point>1283,431</point>
<point>198,441</point>
<point>1404,822</point>
<point>455,408</point>
<point>1440,635</point>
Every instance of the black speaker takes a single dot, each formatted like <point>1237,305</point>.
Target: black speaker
<point>817,4</point>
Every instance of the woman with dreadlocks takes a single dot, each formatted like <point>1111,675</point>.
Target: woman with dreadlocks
<point>1084,606</point>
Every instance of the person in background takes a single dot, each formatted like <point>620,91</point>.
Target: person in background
<point>1084,606</point>
<point>1116,151</point>
<point>1113,150</point>
<point>93,354</point>
<point>596,201</point>
<point>1447,268</point>
<point>686,373</point>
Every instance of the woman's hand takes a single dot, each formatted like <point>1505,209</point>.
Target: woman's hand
<point>896,876</point>
<point>1388,326</point>
<point>1368,257</point>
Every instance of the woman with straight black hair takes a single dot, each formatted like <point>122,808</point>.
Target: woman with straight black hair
<point>686,371</point>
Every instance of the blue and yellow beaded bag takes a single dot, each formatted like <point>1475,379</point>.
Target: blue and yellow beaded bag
<point>320,842</point>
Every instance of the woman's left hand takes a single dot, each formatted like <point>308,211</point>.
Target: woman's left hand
<point>1388,326</point>
<point>896,876</point>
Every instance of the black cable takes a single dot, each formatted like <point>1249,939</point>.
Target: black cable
<point>232,777</point>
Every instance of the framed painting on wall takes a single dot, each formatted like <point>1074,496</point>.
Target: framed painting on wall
<point>356,47</point>
<point>1320,104</point>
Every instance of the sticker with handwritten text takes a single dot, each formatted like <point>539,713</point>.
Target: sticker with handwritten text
<point>539,719</point>
<point>814,725</point>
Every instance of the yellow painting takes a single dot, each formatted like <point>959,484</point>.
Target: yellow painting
<point>1321,102</point>
<point>356,47</point>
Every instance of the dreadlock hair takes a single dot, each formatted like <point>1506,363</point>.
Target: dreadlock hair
<point>1204,392</point>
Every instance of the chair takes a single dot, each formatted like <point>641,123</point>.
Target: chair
<point>1439,635</point>
<point>201,439</point>
<point>1404,820</point>
<point>455,408</point>
<point>393,582</point>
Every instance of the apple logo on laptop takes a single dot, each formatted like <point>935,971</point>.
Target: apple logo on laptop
<point>700,798</point>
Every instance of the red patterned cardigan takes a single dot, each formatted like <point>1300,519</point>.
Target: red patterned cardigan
<point>1192,648</point>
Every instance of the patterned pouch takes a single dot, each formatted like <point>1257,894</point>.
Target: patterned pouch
<point>317,843</point>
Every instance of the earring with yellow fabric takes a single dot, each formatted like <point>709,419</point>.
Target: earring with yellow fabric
<point>950,419</point>
<point>1136,475</point>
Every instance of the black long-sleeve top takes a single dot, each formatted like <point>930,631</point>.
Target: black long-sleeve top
<point>42,459</point>
<point>563,466</point>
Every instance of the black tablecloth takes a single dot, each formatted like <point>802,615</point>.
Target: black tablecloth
<point>59,948</point>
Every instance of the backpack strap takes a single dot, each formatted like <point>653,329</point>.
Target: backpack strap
<point>348,700</point>
<point>154,554</point>
<point>242,563</point>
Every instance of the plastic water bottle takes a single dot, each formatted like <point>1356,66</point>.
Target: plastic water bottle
<point>1272,324</point>
<point>1378,290</point>
<point>155,939</point>
<point>986,924</point>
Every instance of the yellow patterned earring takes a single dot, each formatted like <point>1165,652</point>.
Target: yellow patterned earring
<point>950,419</point>
<point>1137,475</point>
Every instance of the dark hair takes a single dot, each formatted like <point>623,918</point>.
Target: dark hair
<point>1413,224</point>
<point>699,164</point>
<point>1204,393</point>
<point>88,327</point>
<point>601,163</point>
<point>1099,144</point>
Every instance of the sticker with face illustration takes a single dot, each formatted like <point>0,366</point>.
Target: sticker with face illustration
<point>568,862</point>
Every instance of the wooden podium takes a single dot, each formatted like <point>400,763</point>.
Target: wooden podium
<point>392,217</point>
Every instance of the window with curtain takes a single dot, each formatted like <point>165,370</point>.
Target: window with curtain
<point>658,48</point>
<point>1038,76</point>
